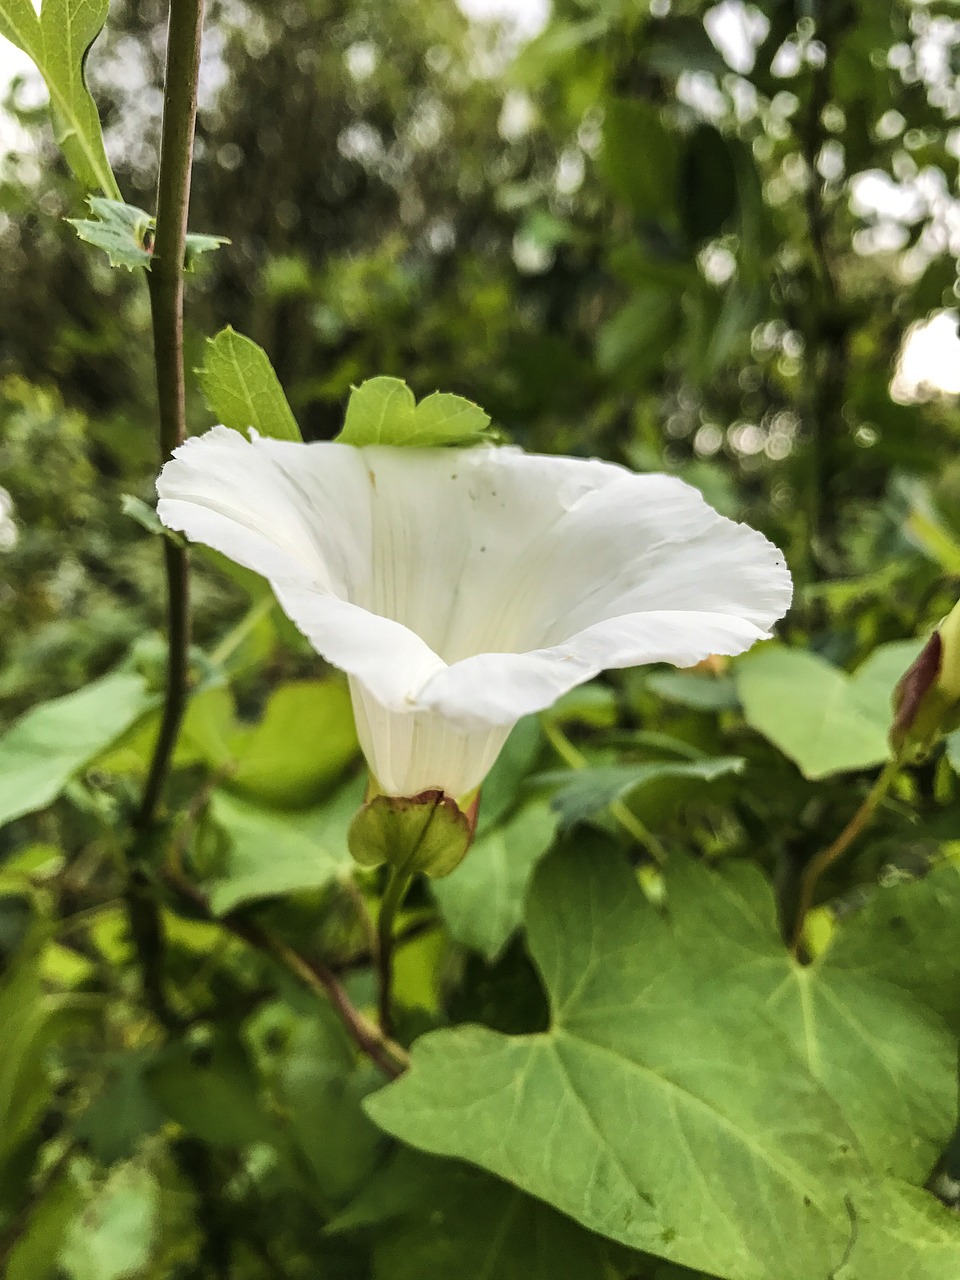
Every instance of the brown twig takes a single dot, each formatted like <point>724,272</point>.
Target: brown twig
<point>389,1056</point>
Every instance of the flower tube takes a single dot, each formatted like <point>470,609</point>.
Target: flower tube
<point>461,589</point>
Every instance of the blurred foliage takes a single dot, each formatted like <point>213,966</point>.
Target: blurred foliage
<point>618,241</point>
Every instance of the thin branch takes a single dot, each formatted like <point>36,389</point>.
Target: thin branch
<point>389,1056</point>
<point>166,307</point>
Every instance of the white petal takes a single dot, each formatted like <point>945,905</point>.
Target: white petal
<point>422,751</point>
<point>462,589</point>
<point>299,515</point>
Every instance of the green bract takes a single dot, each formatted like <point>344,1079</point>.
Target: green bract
<point>383,411</point>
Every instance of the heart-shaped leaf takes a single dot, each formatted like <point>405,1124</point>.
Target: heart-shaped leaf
<point>693,1097</point>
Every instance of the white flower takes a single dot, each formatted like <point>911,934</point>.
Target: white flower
<point>463,589</point>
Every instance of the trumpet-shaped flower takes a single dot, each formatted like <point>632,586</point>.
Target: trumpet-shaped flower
<point>462,589</point>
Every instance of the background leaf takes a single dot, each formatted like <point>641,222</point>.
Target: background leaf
<point>58,40</point>
<point>824,720</point>
<point>45,748</point>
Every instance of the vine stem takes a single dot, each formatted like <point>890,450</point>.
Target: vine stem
<point>166,308</point>
<point>397,887</point>
<point>828,856</point>
<point>569,754</point>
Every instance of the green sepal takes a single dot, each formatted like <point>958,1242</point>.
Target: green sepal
<point>428,832</point>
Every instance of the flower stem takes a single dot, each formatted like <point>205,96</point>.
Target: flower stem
<point>397,887</point>
<point>828,856</point>
<point>166,308</point>
<point>569,754</point>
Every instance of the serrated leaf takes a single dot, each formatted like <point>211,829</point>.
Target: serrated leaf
<point>242,390</point>
<point>443,419</point>
<point>123,232</point>
<point>586,792</point>
<point>383,411</point>
<point>379,411</point>
<point>197,244</point>
<point>44,749</point>
<point>120,230</point>
<point>826,721</point>
<point>58,40</point>
<point>676,1104</point>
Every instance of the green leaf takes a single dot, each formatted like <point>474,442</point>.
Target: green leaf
<point>504,782</point>
<point>906,934</point>
<point>669,1105</point>
<point>213,1090</point>
<point>589,791</point>
<point>698,692</point>
<point>51,743</point>
<point>826,721</point>
<point>383,411</point>
<point>911,1236</point>
<point>305,740</point>
<point>445,419</point>
<point>633,341</point>
<point>197,244</point>
<point>639,158</point>
<point>322,1086</point>
<point>118,1119</point>
<point>124,232</point>
<point>278,851</point>
<point>120,230</point>
<point>489,1228</point>
<point>35,1256</point>
<point>482,901</point>
<point>58,40</point>
<point>113,1238</point>
<point>242,390</point>
<point>707,184</point>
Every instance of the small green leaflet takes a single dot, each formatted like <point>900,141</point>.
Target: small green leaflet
<point>125,234</point>
<point>384,411</point>
<point>58,40</point>
<point>242,390</point>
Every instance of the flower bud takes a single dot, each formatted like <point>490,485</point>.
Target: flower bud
<point>428,832</point>
<point>926,702</point>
